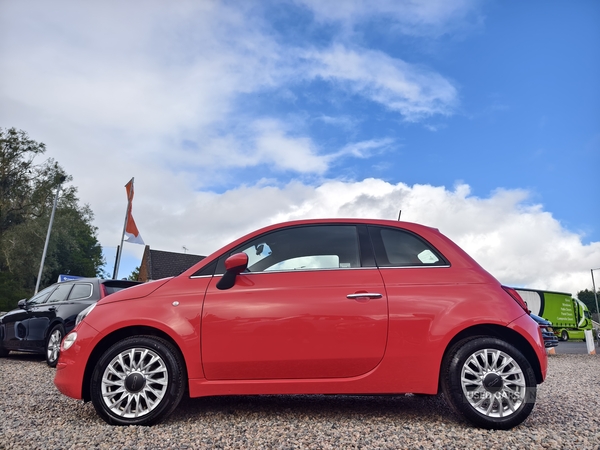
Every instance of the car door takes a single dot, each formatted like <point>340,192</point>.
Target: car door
<point>16,322</point>
<point>41,315</point>
<point>297,312</point>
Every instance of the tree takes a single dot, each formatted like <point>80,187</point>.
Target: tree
<point>587,297</point>
<point>135,274</point>
<point>27,191</point>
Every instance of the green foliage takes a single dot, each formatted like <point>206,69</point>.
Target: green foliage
<point>135,274</point>
<point>27,192</point>
<point>10,292</point>
<point>587,297</point>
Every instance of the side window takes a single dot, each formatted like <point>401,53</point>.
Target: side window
<point>399,248</point>
<point>302,248</point>
<point>207,270</point>
<point>41,297</point>
<point>257,252</point>
<point>81,291</point>
<point>60,294</point>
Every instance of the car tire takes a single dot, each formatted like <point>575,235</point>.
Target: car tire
<point>53,345</point>
<point>489,382</point>
<point>3,352</point>
<point>564,336</point>
<point>138,381</point>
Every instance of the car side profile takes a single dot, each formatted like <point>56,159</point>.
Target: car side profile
<point>328,306</point>
<point>39,324</point>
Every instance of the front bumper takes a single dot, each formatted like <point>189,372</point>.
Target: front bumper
<point>70,370</point>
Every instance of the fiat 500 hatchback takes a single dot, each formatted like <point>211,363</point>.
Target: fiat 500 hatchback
<point>339,306</point>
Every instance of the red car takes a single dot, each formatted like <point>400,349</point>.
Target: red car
<point>338,306</point>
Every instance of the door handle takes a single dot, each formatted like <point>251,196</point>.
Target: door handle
<point>364,294</point>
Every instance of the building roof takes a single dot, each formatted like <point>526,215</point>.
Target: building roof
<point>158,264</point>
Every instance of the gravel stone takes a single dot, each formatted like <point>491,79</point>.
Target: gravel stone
<point>34,415</point>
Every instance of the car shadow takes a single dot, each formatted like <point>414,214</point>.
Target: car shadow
<point>332,408</point>
<point>23,356</point>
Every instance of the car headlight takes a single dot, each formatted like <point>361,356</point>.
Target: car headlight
<point>69,340</point>
<point>84,313</point>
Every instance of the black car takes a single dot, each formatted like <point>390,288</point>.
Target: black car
<point>39,324</point>
<point>550,339</point>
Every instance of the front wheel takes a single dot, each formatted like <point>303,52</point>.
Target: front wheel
<point>564,336</point>
<point>489,382</point>
<point>53,345</point>
<point>138,381</point>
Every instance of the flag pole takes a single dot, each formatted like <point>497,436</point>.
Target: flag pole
<point>116,272</point>
<point>114,275</point>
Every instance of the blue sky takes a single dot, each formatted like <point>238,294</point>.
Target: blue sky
<point>481,118</point>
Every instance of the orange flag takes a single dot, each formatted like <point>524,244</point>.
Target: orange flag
<point>131,230</point>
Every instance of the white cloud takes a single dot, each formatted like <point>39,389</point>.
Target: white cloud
<point>412,17</point>
<point>287,152</point>
<point>413,91</point>
<point>365,149</point>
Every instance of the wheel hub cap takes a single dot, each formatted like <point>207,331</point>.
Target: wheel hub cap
<point>135,382</point>
<point>493,383</point>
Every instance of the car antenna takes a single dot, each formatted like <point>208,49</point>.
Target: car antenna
<point>399,214</point>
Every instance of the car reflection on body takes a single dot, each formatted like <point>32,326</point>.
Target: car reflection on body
<point>337,306</point>
<point>39,324</point>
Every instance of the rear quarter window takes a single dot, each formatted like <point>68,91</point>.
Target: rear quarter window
<point>81,291</point>
<point>401,248</point>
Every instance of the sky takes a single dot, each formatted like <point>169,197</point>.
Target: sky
<point>479,118</point>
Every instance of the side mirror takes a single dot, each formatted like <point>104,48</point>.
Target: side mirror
<point>22,303</point>
<point>234,265</point>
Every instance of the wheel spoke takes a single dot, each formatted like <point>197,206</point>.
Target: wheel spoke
<point>113,394</point>
<point>473,361</point>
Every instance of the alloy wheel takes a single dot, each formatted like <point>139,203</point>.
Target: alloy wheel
<point>134,383</point>
<point>53,347</point>
<point>493,383</point>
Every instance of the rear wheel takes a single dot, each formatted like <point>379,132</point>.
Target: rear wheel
<point>489,382</point>
<point>138,381</point>
<point>3,352</point>
<point>53,345</point>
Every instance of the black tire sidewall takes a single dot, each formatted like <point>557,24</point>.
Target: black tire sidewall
<point>62,335</point>
<point>174,391</point>
<point>452,388</point>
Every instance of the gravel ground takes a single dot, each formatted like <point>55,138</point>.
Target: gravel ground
<point>33,414</point>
